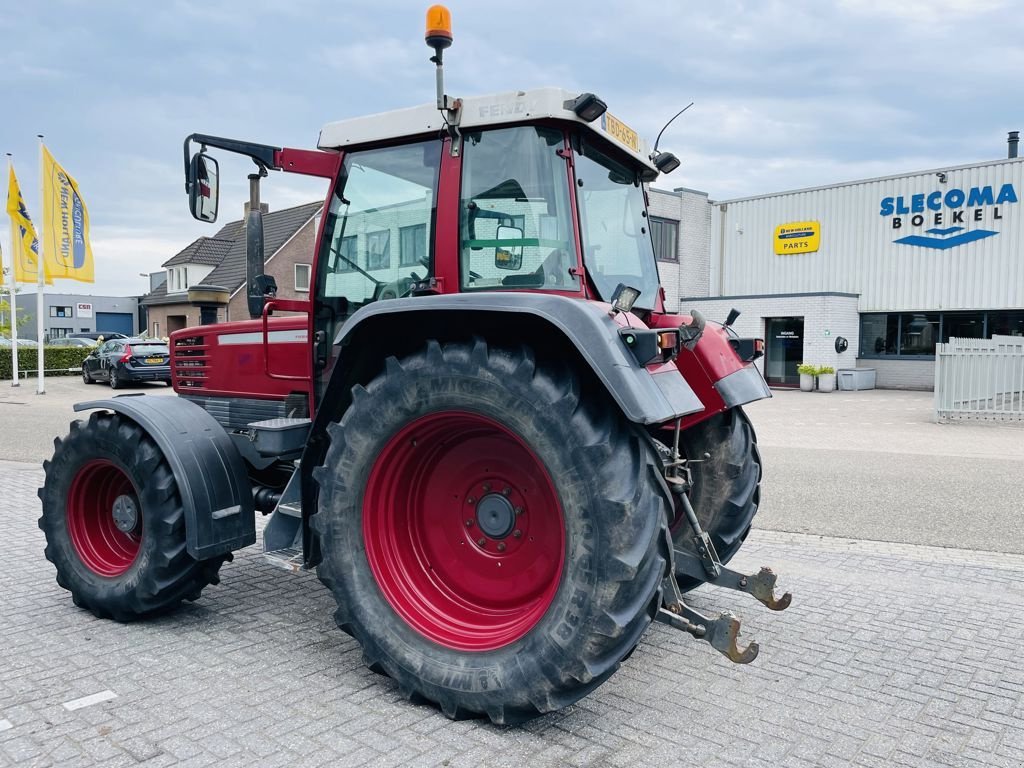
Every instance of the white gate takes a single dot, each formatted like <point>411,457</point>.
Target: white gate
<point>980,379</point>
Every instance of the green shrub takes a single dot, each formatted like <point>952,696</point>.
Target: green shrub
<point>807,369</point>
<point>826,369</point>
<point>56,361</point>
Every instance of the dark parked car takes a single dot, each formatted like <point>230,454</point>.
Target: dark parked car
<point>71,341</point>
<point>97,335</point>
<point>120,361</point>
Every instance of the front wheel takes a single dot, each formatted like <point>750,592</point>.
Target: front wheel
<point>726,488</point>
<point>114,522</point>
<point>495,541</point>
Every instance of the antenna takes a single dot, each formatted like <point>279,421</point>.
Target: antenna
<point>677,114</point>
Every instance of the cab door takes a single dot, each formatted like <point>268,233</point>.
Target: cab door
<point>377,239</point>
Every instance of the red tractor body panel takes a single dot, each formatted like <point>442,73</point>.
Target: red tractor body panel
<point>230,359</point>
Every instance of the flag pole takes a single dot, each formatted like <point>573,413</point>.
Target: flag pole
<point>40,301</point>
<point>12,286</point>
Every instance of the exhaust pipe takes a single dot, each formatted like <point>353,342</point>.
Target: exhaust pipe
<point>1011,144</point>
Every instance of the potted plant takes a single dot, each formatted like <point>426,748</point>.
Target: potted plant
<point>826,378</point>
<point>807,373</point>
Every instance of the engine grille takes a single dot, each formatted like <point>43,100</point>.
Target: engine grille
<point>190,362</point>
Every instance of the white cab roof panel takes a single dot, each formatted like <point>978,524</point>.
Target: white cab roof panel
<point>478,112</point>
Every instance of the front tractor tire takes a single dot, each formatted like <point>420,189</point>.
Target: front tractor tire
<point>495,540</point>
<point>114,522</point>
<point>726,488</point>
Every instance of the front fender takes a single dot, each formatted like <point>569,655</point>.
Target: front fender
<point>215,490</point>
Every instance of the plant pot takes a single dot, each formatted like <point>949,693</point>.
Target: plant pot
<point>826,382</point>
<point>806,382</point>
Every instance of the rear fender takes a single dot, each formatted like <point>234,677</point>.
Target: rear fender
<point>713,369</point>
<point>215,490</point>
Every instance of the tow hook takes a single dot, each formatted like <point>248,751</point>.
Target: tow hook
<point>690,333</point>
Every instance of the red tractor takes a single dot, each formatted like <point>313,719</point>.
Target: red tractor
<point>500,452</point>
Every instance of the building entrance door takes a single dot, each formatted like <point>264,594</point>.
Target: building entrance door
<point>785,350</point>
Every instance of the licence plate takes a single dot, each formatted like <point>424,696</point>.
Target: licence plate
<point>619,130</point>
<point>154,360</point>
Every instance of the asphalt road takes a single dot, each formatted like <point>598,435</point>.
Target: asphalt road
<point>873,465</point>
<point>29,422</point>
<point>864,465</point>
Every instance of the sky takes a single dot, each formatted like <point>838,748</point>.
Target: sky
<point>787,95</point>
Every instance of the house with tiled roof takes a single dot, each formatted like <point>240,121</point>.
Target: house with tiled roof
<point>289,237</point>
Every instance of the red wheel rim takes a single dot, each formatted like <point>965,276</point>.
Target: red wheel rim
<point>463,531</point>
<point>104,548</point>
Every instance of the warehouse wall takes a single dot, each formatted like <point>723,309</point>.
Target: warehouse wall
<point>858,254</point>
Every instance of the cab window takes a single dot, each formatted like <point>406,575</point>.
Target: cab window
<point>514,216</point>
<point>386,197</point>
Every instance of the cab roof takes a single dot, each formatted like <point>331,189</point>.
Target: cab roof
<point>494,109</point>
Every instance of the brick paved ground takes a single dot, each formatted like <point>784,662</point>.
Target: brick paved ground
<point>892,655</point>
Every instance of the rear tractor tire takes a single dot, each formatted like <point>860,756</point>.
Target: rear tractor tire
<point>726,488</point>
<point>496,543</point>
<point>114,522</point>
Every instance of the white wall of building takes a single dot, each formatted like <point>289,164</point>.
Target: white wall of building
<point>826,317</point>
<point>689,275</point>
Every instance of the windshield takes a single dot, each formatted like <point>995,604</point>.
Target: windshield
<point>617,244</point>
<point>515,218</point>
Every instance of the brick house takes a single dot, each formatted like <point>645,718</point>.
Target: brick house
<point>289,237</point>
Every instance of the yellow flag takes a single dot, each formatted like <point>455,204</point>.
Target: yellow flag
<point>26,244</point>
<point>66,248</point>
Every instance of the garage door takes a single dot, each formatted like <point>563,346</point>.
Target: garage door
<point>116,322</point>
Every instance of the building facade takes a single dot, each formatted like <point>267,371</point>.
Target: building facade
<point>67,313</point>
<point>289,236</point>
<point>869,274</point>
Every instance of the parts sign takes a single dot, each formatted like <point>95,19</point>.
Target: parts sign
<point>797,237</point>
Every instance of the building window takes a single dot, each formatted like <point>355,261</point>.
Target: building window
<point>963,325</point>
<point>919,331</point>
<point>59,333</point>
<point>1006,323</point>
<point>378,249</point>
<point>302,272</point>
<point>914,334</point>
<point>348,254</point>
<point>60,312</point>
<point>664,233</point>
<point>412,245</point>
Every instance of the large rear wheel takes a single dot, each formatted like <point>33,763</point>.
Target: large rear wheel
<point>726,488</point>
<point>495,540</point>
<point>114,522</point>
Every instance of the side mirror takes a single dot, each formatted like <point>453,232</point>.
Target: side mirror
<point>203,187</point>
<point>507,256</point>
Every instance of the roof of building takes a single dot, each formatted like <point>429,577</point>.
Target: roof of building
<point>205,250</point>
<point>225,251</point>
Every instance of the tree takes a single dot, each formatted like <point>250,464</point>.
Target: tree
<point>5,315</point>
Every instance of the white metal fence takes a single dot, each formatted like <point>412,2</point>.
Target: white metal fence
<point>980,379</point>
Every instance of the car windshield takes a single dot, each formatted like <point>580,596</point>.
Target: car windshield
<point>617,243</point>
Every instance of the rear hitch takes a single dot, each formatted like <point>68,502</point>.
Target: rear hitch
<point>760,586</point>
<point>721,633</point>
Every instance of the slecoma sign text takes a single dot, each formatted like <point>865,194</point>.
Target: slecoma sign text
<point>945,212</point>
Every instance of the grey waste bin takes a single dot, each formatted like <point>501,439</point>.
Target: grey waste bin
<point>856,378</point>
